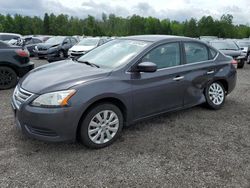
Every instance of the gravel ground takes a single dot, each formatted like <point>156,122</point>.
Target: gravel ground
<point>190,148</point>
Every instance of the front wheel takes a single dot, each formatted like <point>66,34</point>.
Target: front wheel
<point>101,126</point>
<point>215,95</point>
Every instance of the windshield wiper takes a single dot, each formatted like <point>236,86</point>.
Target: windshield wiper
<point>88,63</point>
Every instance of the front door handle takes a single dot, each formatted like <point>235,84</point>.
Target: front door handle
<point>177,78</point>
<point>210,72</point>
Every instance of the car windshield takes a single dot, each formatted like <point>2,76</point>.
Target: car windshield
<point>225,45</point>
<point>88,42</point>
<point>55,40</point>
<point>115,53</point>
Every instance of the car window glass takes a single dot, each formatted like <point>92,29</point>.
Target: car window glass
<point>167,55</point>
<point>67,41</point>
<point>195,52</point>
<point>213,53</point>
<point>35,41</point>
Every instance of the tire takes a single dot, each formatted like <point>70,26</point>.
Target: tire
<point>241,64</point>
<point>94,132</point>
<point>8,78</point>
<point>215,95</point>
<point>248,59</point>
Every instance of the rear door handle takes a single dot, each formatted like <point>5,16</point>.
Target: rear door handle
<point>177,78</point>
<point>210,72</point>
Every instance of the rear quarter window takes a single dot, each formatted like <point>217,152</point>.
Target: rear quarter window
<point>213,53</point>
<point>195,52</point>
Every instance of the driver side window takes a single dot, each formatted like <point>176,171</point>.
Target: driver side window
<point>167,55</point>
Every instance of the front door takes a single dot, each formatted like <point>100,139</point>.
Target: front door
<point>162,90</point>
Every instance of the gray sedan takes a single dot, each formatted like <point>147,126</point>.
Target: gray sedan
<point>120,83</point>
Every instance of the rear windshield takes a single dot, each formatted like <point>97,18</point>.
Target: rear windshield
<point>8,37</point>
<point>3,44</point>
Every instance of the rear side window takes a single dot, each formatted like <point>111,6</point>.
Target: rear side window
<point>167,55</point>
<point>195,52</point>
<point>213,53</point>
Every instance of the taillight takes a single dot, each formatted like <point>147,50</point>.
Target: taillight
<point>234,63</point>
<point>22,53</point>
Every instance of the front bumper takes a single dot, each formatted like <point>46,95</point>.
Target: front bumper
<point>46,124</point>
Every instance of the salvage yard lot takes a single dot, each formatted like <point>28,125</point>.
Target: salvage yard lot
<point>195,147</point>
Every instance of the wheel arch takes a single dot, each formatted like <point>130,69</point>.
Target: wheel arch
<point>10,65</point>
<point>113,100</point>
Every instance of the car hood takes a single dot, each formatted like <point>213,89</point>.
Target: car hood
<point>59,76</point>
<point>46,45</point>
<point>232,53</point>
<point>81,48</point>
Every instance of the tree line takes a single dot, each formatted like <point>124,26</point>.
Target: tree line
<point>112,25</point>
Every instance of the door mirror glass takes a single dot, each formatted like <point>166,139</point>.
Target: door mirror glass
<point>146,67</point>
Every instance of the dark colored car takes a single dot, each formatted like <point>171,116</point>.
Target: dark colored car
<point>14,63</point>
<point>55,48</point>
<point>245,47</point>
<point>230,48</point>
<point>29,43</point>
<point>119,83</point>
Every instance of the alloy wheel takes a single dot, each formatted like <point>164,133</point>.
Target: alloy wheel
<point>216,94</point>
<point>103,127</point>
<point>6,77</point>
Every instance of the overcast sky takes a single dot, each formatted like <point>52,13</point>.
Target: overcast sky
<point>174,9</point>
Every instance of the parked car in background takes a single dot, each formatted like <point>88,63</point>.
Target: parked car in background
<point>119,83</point>
<point>245,47</point>
<point>44,38</point>
<point>207,39</point>
<point>230,48</point>
<point>14,63</point>
<point>6,37</point>
<point>29,42</point>
<point>85,45</point>
<point>55,48</point>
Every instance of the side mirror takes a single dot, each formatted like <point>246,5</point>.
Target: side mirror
<point>146,67</point>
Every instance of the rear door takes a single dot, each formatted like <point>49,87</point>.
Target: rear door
<point>199,69</point>
<point>162,90</point>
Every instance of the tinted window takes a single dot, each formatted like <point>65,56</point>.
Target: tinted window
<point>3,45</point>
<point>195,52</point>
<point>8,37</point>
<point>167,55</point>
<point>35,41</point>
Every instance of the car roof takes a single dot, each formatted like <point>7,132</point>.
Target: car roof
<point>14,34</point>
<point>155,38</point>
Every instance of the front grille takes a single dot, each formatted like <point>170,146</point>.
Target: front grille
<point>20,96</point>
<point>42,49</point>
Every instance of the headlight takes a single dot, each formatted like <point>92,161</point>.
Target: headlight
<point>54,99</point>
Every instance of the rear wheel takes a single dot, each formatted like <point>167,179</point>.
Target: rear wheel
<point>8,78</point>
<point>215,95</point>
<point>101,126</point>
<point>241,64</point>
